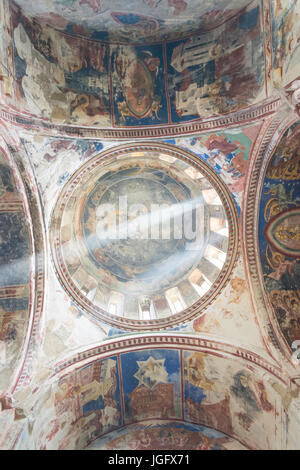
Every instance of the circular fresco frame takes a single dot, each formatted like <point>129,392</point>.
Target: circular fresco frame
<point>98,314</point>
<point>270,234</point>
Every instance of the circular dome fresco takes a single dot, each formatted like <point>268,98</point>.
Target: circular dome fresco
<point>144,236</point>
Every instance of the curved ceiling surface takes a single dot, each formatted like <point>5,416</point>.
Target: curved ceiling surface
<point>143,236</point>
<point>162,435</point>
<point>135,20</point>
<point>123,85</point>
<point>113,399</point>
<point>15,273</point>
<point>279,233</point>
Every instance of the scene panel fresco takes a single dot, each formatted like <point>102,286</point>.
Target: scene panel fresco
<point>217,72</point>
<point>205,401</point>
<point>279,233</point>
<point>227,153</point>
<point>246,404</point>
<point>165,435</point>
<point>60,77</point>
<point>234,400</point>
<point>15,261</point>
<point>139,85</point>
<point>285,22</point>
<point>89,397</point>
<point>151,384</point>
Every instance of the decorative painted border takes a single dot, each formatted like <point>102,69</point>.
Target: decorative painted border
<point>99,314</point>
<point>262,153</point>
<point>239,118</point>
<point>163,341</point>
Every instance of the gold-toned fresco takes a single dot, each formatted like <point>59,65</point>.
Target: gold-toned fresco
<point>283,233</point>
<point>166,434</point>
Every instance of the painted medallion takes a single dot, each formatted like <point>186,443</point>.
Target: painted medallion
<point>283,232</point>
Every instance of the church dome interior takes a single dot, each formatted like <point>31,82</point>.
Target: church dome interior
<point>150,225</point>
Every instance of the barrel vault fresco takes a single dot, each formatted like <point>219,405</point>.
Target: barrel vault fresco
<point>15,256</point>
<point>159,384</point>
<point>188,110</point>
<point>149,20</point>
<point>206,75</point>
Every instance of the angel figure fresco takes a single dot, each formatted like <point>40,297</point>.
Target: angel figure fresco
<point>286,304</point>
<point>279,264</point>
<point>195,371</point>
<point>252,396</point>
<point>281,200</point>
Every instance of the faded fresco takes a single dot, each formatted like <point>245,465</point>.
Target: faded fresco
<point>139,85</point>
<point>285,22</point>
<point>279,229</point>
<point>79,87</point>
<point>6,82</point>
<point>94,83</point>
<point>228,153</point>
<point>210,400</point>
<point>54,161</point>
<point>147,20</point>
<point>247,403</point>
<point>15,260</point>
<point>84,405</point>
<point>214,73</point>
<point>166,435</point>
<point>151,384</point>
<point>196,361</point>
<point>159,266</point>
